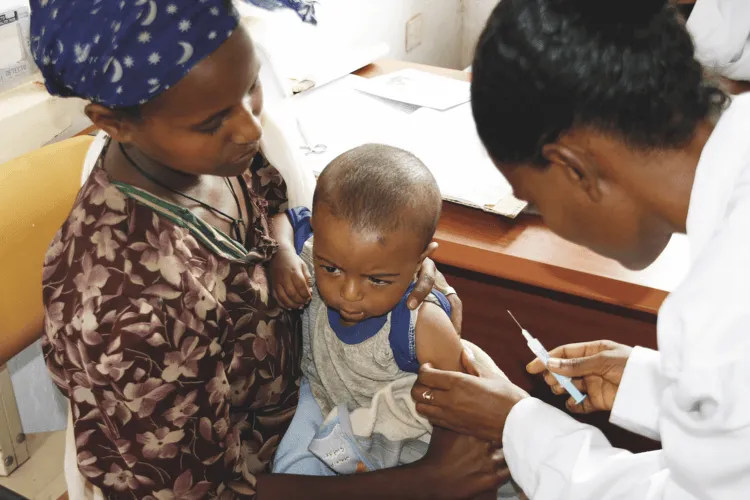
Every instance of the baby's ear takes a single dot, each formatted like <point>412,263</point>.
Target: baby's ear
<point>431,248</point>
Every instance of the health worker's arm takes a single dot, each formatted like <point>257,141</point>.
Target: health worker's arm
<point>703,415</point>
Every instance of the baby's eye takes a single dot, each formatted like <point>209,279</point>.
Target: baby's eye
<point>379,282</point>
<point>329,269</point>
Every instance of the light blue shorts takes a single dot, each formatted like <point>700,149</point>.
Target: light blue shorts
<point>292,455</point>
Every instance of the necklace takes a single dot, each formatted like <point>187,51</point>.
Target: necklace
<point>239,228</point>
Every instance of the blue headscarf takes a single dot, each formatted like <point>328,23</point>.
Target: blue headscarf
<point>123,53</point>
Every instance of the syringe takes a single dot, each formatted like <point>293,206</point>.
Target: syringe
<point>538,349</point>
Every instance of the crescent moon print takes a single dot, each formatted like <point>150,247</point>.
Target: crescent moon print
<point>187,54</point>
<point>151,14</point>
<point>117,74</point>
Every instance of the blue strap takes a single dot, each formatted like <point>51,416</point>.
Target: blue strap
<point>403,337</point>
<point>300,220</point>
<point>444,304</point>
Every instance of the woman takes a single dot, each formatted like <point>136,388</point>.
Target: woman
<point>620,142</point>
<point>181,370</point>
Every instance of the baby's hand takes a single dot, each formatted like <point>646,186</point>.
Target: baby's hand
<point>290,279</point>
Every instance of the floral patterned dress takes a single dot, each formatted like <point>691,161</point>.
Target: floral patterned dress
<point>181,370</point>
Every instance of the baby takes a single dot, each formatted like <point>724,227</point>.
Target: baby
<point>375,213</point>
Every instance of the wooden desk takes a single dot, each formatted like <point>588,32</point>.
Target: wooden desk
<point>561,292</point>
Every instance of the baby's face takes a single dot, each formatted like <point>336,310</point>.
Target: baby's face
<point>362,275</point>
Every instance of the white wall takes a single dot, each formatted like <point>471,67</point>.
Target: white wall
<point>475,15</point>
<point>10,4</point>
<point>372,21</point>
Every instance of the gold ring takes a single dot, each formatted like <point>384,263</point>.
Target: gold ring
<point>427,396</point>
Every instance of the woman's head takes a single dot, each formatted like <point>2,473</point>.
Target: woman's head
<point>178,80</point>
<point>583,104</point>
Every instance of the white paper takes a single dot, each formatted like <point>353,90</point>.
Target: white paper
<point>447,142</point>
<point>419,88</point>
<point>341,118</point>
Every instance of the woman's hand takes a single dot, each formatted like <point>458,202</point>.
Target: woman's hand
<point>461,466</point>
<point>476,403</point>
<point>429,277</point>
<point>595,367</point>
<point>290,279</point>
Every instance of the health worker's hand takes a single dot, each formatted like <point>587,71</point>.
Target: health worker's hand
<point>595,367</point>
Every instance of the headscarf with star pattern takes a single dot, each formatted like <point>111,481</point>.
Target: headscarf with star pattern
<point>123,53</point>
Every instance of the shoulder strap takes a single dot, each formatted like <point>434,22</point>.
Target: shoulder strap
<point>402,337</point>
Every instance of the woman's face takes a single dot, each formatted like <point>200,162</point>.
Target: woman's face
<point>580,202</point>
<point>209,122</point>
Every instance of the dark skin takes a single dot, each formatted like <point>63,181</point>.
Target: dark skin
<point>206,129</point>
<point>598,192</point>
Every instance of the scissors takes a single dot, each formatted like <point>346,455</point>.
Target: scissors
<point>317,149</point>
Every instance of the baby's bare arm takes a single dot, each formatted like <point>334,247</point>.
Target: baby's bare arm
<point>437,340</point>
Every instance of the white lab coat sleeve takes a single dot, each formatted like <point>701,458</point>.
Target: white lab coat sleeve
<point>554,457</point>
<point>704,419</point>
<point>721,33</point>
<point>638,401</point>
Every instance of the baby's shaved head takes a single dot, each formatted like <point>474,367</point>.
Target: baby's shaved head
<point>381,189</point>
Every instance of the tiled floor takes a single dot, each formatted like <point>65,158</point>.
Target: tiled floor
<point>42,477</point>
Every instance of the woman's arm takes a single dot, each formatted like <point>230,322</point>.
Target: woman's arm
<point>267,182</point>
<point>457,467</point>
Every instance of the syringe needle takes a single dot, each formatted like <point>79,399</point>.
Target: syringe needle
<point>514,319</point>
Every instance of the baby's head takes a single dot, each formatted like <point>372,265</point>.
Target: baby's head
<point>374,215</point>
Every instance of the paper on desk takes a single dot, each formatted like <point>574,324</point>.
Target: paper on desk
<point>342,118</point>
<point>447,142</point>
<point>419,88</point>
